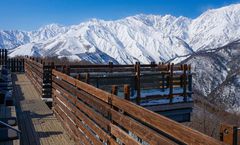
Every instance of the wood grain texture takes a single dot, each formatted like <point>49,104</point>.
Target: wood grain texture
<point>133,118</point>
<point>36,120</point>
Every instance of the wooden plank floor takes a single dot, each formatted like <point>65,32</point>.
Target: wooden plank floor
<point>36,120</point>
<point>6,112</point>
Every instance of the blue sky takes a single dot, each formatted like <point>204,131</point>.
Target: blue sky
<point>32,14</point>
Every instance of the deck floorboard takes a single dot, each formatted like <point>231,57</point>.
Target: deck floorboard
<point>36,120</point>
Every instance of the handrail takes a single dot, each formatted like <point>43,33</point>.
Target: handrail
<point>8,126</point>
<point>149,119</point>
<point>74,102</point>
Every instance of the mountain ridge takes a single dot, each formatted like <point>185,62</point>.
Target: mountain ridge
<point>210,43</point>
<point>141,37</point>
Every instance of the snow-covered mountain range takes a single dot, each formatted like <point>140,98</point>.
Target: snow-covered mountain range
<point>210,43</point>
<point>14,38</point>
<point>141,38</point>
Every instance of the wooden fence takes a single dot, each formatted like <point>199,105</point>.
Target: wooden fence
<point>40,75</point>
<point>125,81</point>
<point>93,116</point>
<point>3,56</point>
<point>138,77</point>
<point>162,88</point>
<point>135,78</point>
<point>13,64</point>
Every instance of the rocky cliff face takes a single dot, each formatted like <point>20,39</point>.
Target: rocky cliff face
<point>217,75</point>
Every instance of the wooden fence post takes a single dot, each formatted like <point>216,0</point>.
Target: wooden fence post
<point>44,79</point>
<point>67,70</point>
<point>17,65</point>
<point>97,82</point>
<point>137,82</point>
<point>126,92</point>
<point>110,66</point>
<point>163,82</point>
<point>229,134</point>
<point>189,80</point>
<point>14,65</point>
<point>162,85</point>
<point>87,77</point>
<point>52,67</point>
<point>171,83</point>
<point>153,64</point>
<point>168,66</point>
<point>181,77</point>
<point>9,64</point>
<point>185,67</point>
<point>114,89</point>
<point>78,77</point>
<point>5,57</point>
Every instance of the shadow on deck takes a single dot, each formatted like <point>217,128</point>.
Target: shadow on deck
<point>36,120</point>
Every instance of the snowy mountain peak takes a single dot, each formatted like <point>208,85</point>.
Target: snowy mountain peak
<point>47,32</point>
<point>215,28</point>
<point>232,7</point>
<point>52,26</point>
<point>141,37</point>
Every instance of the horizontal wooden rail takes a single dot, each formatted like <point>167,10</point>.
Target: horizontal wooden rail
<point>34,73</point>
<point>115,68</point>
<point>96,117</point>
<point>40,75</point>
<point>139,77</point>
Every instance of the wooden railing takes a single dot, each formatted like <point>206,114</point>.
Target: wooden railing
<point>13,64</point>
<point>34,71</point>
<point>3,56</point>
<point>139,77</point>
<point>108,77</point>
<point>40,75</point>
<point>129,84</point>
<point>93,116</point>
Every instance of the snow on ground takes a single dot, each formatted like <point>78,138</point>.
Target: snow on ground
<point>152,92</point>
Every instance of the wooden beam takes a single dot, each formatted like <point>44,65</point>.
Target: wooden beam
<point>127,92</point>
<point>138,83</point>
<point>114,89</point>
<point>176,131</point>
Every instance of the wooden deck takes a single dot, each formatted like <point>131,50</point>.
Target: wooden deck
<point>35,119</point>
<point>89,114</point>
<point>6,112</point>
